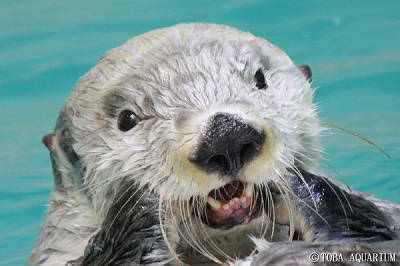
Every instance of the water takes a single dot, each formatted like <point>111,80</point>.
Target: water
<point>353,48</point>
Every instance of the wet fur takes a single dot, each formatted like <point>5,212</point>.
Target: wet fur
<point>136,198</point>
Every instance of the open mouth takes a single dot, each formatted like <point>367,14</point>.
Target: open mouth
<point>231,205</point>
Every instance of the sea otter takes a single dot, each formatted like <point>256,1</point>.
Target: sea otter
<point>197,143</point>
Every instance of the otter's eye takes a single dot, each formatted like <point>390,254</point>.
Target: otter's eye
<point>261,84</point>
<point>127,120</point>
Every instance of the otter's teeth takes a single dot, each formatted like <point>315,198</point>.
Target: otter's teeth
<point>214,204</point>
<point>248,191</point>
<point>233,201</point>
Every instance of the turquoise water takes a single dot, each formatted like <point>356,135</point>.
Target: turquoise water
<point>353,48</point>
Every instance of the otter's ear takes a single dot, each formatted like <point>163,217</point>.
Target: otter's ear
<point>306,70</point>
<point>67,166</point>
<point>60,145</point>
<point>49,141</point>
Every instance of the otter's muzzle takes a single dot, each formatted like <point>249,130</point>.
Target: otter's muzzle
<point>227,144</point>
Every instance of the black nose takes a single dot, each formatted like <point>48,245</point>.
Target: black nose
<point>227,145</point>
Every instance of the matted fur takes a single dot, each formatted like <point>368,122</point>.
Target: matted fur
<point>175,80</point>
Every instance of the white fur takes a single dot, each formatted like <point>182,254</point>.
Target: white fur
<point>174,79</point>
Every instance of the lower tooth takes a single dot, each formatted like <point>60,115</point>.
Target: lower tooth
<point>214,204</point>
<point>233,201</point>
<point>248,191</point>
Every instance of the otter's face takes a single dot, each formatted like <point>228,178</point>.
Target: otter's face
<point>207,117</point>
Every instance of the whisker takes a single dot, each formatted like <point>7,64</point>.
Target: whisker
<point>314,209</point>
<point>340,201</point>
<point>357,136</point>
<point>298,172</point>
<point>185,213</point>
<point>203,249</point>
<point>289,206</point>
<point>200,209</point>
<point>186,227</point>
<point>126,202</point>
<point>226,193</point>
<point>270,202</point>
<point>164,234</point>
<point>338,174</point>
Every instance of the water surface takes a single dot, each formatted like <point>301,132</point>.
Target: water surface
<point>45,46</point>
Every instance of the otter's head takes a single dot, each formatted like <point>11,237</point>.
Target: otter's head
<point>209,118</point>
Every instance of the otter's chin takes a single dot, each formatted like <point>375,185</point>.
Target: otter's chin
<point>231,205</point>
